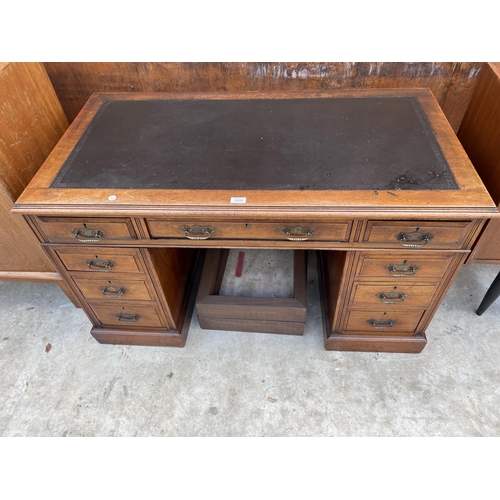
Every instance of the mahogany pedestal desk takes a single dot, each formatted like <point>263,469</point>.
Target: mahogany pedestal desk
<point>375,181</point>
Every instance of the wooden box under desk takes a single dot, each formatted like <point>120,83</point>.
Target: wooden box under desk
<point>374,179</point>
<point>251,314</point>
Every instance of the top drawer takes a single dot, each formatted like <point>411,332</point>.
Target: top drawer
<point>337,231</point>
<point>417,234</point>
<point>86,230</point>
<point>406,266</point>
<point>101,259</point>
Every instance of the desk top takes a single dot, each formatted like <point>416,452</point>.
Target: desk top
<point>357,151</point>
<point>283,144</point>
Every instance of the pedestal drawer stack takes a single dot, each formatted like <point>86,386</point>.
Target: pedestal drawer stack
<point>391,292</point>
<point>115,285</point>
<point>127,295</point>
<point>387,296</point>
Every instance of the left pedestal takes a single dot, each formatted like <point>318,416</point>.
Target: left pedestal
<point>133,296</point>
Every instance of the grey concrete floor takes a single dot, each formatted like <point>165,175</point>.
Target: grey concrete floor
<point>246,384</point>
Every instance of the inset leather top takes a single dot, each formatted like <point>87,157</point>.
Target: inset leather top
<point>344,143</point>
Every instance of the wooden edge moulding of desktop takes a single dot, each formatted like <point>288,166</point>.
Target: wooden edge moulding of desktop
<point>142,188</point>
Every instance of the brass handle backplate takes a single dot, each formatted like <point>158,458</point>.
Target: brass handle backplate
<point>128,318</point>
<point>197,232</point>
<point>391,297</point>
<point>413,240</point>
<point>381,323</point>
<point>113,291</point>
<point>99,265</point>
<point>297,233</point>
<point>402,270</point>
<point>87,235</point>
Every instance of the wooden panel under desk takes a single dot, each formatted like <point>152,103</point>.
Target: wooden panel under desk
<point>249,325</point>
<point>171,270</point>
<point>487,248</point>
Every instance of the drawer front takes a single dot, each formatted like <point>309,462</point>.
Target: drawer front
<point>101,260</point>
<point>417,234</point>
<point>403,266</point>
<point>386,322</point>
<point>86,230</point>
<point>104,289</point>
<point>338,231</point>
<point>388,295</point>
<point>132,316</point>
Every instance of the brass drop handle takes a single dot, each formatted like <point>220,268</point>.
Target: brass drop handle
<point>413,240</point>
<point>197,232</point>
<point>391,297</point>
<point>128,318</point>
<point>99,265</point>
<point>87,235</point>
<point>380,324</point>
<point>297,233</point>
<point>402,270</point>
<point>113,291</point>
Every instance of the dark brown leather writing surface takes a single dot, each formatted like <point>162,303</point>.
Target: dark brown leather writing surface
<point>259,144</point>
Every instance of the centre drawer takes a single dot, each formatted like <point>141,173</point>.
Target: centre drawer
<point>338,231</point>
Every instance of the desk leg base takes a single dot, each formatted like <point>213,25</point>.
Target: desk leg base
<point>146,338</point>
<point>375,344</point>
<point>137,337</point>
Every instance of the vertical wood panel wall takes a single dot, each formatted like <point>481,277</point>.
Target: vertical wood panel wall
<point>479,134</point>
<point>451,82</point>
<point>31,123</point>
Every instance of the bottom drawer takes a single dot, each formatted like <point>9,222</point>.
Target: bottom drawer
<point>133,316</point>
<point>383,322</point>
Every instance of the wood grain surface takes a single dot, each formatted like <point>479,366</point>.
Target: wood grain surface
<point>452,83</point>
<point>479,134</point>
<point>31,123</point>
<point>367,256</point>
<point>472,197</point>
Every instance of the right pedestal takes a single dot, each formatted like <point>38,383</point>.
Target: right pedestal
<point>382,301</point>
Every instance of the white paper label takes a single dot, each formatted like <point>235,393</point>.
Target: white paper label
<point>112,197</point>
<point>235,199</point>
